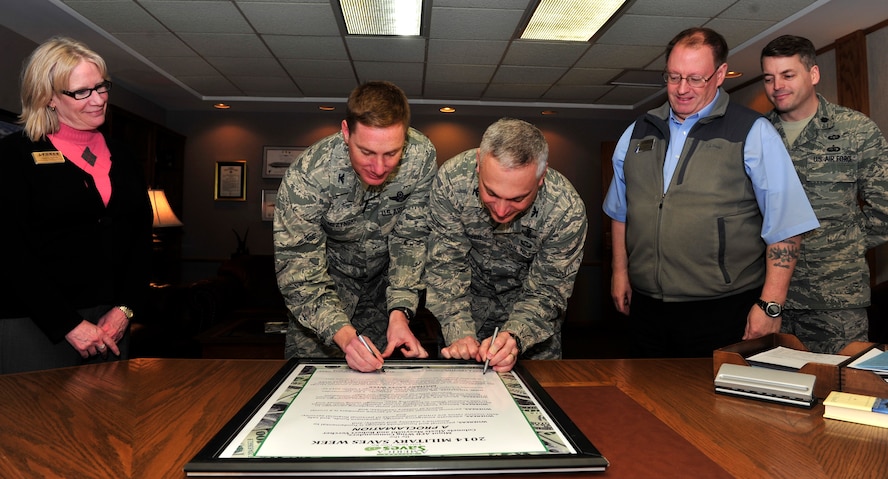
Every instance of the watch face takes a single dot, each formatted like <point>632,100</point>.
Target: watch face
<point>773,310</point>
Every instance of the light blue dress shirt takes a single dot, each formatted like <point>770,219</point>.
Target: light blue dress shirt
<point>785,208</point>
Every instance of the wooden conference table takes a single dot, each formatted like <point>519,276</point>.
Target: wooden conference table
<point>146,418</point>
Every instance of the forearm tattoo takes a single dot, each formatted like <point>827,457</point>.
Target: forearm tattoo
<point>784,254</point>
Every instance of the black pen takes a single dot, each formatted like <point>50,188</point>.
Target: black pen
<point>364,342</point>
<point>492,339</point>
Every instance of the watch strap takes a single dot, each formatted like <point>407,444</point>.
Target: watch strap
<point>407,312</point>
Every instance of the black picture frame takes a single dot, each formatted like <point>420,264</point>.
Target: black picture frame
<point>231,180</point>
<point>209,460</point>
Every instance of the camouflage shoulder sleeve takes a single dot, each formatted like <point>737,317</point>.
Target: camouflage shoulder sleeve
<point>550,280</point>
<point>448,274</point>
<point>300,245</point>
<point>407,243</point>
<point>873,182</point>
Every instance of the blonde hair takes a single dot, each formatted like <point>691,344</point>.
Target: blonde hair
<point>45,72</point>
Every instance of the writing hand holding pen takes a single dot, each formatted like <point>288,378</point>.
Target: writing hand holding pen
<point>500,351</point>
<point>360,354</point>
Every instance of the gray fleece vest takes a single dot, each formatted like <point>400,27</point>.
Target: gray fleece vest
<point>702,239</point>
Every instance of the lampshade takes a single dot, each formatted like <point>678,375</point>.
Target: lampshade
<point>163,214</point>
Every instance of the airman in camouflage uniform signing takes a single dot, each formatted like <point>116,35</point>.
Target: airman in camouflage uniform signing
<point>840,156</point>
<point>506,242</point>
<point>350,226</point>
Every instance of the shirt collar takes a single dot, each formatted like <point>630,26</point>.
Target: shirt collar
<point>703,113</point>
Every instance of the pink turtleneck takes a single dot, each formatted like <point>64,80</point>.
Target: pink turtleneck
<point>72,144</point>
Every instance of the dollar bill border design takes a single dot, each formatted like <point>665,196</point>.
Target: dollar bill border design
<point>253,441</point>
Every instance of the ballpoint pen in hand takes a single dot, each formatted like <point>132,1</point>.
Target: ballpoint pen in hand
<point>364,342</point>
<point>492,339</point>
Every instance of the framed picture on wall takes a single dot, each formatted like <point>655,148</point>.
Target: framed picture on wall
<point>276,159</point>
<point>269,198</point>
<point>231,180</point>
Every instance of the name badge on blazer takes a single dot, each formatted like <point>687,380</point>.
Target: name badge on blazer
<point>646,145</point>
<point>48,157</point>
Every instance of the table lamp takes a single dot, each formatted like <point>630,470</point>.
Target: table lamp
<point>163,213</point>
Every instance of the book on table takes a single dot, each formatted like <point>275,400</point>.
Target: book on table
<point>857,408</point>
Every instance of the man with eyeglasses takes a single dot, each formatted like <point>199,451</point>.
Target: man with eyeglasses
<point>706,210</point>
<point>840,156</point>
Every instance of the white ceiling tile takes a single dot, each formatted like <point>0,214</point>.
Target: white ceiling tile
<point>117,17</point>
<point>619,56</point>
<point>588,76</point>
<point>471,52</point>
<point>648,30</point>
<point>318,68</point>
<point>460,73</point>
<point>230,66</point>
<point>386,49</point>
<point>761,10</point>
<point>226,45</point>
<point>536,53</point>
<point>291,19</point>
<point>328,88</point>
<point>313,48</point>
<point>202,16</point>
<point>474,23</point>
<point>156,44</point>
<point>185,66</point>
<point>394,72</point>
<point>520,74</point>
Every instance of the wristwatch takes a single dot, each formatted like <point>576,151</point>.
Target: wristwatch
<point>404,310</point>
<point>126,311</point>
<point>770,308</point>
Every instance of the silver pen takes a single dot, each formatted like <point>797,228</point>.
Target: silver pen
<point>364,342</point>
<point>492,339</point>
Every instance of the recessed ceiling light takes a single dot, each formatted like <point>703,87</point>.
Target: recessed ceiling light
<point>221,106</point>
<point>382,17</point>
<point>570,20</point>
<point>326,108</point>
<point>733,74</point>
<point>447,109</point>
<point>549,112</point>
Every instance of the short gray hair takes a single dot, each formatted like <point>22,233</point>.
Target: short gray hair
<point>515,143</point>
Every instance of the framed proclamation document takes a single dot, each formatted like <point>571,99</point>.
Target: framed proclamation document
<point>417,418</point>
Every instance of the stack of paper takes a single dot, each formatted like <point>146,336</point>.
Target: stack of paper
<point>856,408</point>
<point>791,359</point>
<point>873,360</point>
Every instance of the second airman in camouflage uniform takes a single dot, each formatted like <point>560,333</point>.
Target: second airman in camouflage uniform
<point>840,156</point>
<point>506,242</point>
<point>349,233</point>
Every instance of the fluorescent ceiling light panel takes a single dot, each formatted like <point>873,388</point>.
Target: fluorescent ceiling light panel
<point>382,17</point>
<point>569,20</point>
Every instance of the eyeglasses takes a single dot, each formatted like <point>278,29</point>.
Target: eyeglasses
<point>85,93</point>
<point>695,81</point>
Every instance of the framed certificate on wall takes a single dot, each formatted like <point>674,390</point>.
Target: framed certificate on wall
<point>276,159</point>
<point>231,180</point>
<point>321,418</point>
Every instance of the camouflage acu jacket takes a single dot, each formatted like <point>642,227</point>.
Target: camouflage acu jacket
<point>840,157</point>
<point>325,218</point>
<point>527,266</point>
